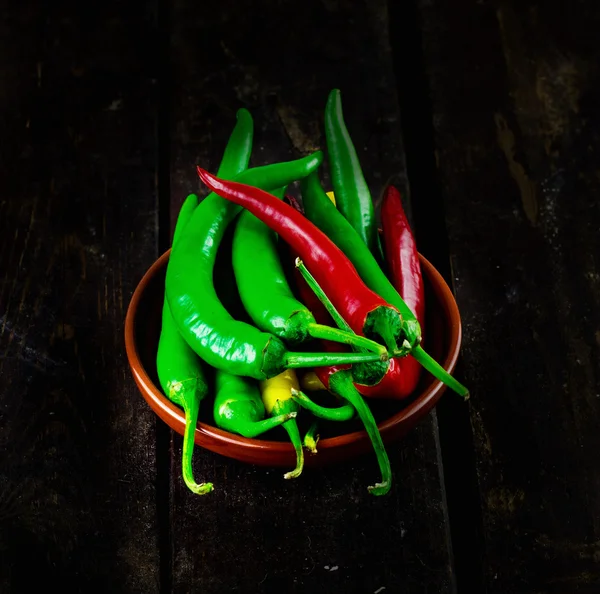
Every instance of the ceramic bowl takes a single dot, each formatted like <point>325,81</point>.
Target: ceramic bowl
<point>442,338</point>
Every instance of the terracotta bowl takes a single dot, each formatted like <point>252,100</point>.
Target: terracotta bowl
<point>395,418</point>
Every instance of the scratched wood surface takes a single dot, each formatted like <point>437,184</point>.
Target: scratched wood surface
<point>515,89</point>
<point>323,532</point>
<point>78,211</point>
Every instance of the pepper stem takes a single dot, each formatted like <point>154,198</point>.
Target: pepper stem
<point>318,291</point>
<point>335,334</point>
<point>191,407</point>
<point>312,437</point>
<point>283,407</point>
<point>340,413</point>
<point>341,383</point>
<point>299,360</point>
<point>431,365</point>
<point>252,429</point>
<point>380,325</point>
<point>292,428</point>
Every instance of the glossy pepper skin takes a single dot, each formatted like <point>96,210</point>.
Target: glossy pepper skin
<point>405,272</point>
<point>350,188</point>
<point>265,291</point>
<point>320,210</point>
<point>276,394</point>
<point>389,381</point>
<point>181,372</point>
<point>238,407</point>
<point>220,340</point>
<point>366,313</point>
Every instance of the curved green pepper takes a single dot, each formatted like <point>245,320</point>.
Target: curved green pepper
<point>180,370</point>
<point>352,193</point>
<point>238,406</point>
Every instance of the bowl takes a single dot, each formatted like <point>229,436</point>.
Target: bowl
<point>442,332</point>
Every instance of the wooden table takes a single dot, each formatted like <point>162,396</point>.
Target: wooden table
<point>487,116</point>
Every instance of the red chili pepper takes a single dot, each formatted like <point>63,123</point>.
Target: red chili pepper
<point>406,276</point>
<point>402,374</point>
<point>401,253</point>
<point>365,311</point>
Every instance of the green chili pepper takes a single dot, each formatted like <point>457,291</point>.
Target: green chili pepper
<point>180,370</point>
<point>238,406</point>
<point>205,324</point>
<point>319,209</point>
<point>266,294</point>
<point>351,190</point>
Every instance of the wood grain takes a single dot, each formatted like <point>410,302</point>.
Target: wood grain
<point>77,230</point>
<point>323,532</point>
<point>515,89</point>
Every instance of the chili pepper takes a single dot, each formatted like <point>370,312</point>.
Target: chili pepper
<point>367,313</point>
<point>238,407</point>
<point>351,190</point>
<point>404,267</point>
<point>394,384</point>
<point>380,379</point>
<point>320,210</point>
<point>276,394</point>
<point>266,294</point>
<point>221,341</point>
<point>180,371</point>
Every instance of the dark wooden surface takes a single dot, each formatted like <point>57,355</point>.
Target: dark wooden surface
<point>78,215</point>
<point>515,95</point>
<point>484,113</point>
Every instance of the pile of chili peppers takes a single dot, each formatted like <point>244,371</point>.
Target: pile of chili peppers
<point>258,287</point>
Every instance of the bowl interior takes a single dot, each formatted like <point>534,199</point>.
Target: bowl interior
<point>441,340</point>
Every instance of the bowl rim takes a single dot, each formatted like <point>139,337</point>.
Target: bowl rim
<point>174,416</point>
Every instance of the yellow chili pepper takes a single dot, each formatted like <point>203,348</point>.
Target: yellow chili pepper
<point>331,196</point>
<point>276,394</point>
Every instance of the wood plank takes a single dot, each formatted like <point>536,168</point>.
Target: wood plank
<point>78,228</point>
<point>323,532</point>
<point>515,92</point>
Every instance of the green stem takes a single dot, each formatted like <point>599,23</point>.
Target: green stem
<point>292,428</point>
<point>335,334</point>
<point>284,407</point>
<point>380,325</point>
<point>299,360</point>
<point>312,437</point>
<point>439,372</point>
<point>341,383</point>
<point>338,414</point>
<point>191,407</point>
<point>251,429</point>
<point>316,288</point>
